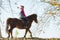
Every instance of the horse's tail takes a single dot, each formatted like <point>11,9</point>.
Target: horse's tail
<point>7,26</point>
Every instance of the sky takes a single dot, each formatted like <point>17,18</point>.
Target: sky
<point>47,27</point>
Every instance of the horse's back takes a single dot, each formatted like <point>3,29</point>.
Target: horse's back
<point>12,20</point>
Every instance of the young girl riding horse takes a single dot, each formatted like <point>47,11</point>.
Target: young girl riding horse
<point>23,15</point>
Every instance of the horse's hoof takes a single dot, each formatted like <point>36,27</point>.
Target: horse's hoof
<point>31,36</point>
<point>11,37</point>
<point>8,37</point>
<point>24,37</point>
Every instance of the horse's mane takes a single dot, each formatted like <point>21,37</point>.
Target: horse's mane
<point>35,15</point>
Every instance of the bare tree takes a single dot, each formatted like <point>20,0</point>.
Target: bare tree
<point>0,18</point>
<point>0,25</point>
<point>10,6</point>
<point>0,33</point>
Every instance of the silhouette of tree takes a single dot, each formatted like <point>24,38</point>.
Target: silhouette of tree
<point>0,32</point>
<point>0,20</point>
<point>10,6</point>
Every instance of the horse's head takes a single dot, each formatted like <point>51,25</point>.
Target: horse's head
<point>35,18</point>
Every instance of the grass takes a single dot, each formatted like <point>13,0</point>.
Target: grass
<point>30,38</point>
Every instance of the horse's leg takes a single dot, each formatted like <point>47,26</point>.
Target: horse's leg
<point>11,35</point>
<point>8,34</point>
<point>25,33</point>
<point>8,31</point>
<point>30,33</point>
<point>11,32</point>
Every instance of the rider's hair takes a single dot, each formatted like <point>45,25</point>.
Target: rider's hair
<point>22,6</point>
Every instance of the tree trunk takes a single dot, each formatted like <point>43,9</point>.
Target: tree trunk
<point>0,33</point>
<point>0,14</point>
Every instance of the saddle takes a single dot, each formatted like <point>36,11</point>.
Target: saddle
<point>25,21</point>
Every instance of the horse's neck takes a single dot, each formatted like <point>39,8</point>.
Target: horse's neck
<point>31,19</point>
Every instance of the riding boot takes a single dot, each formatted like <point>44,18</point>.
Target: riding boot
<point>27,20</point>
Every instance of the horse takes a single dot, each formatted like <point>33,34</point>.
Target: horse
<point>18,23</point>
